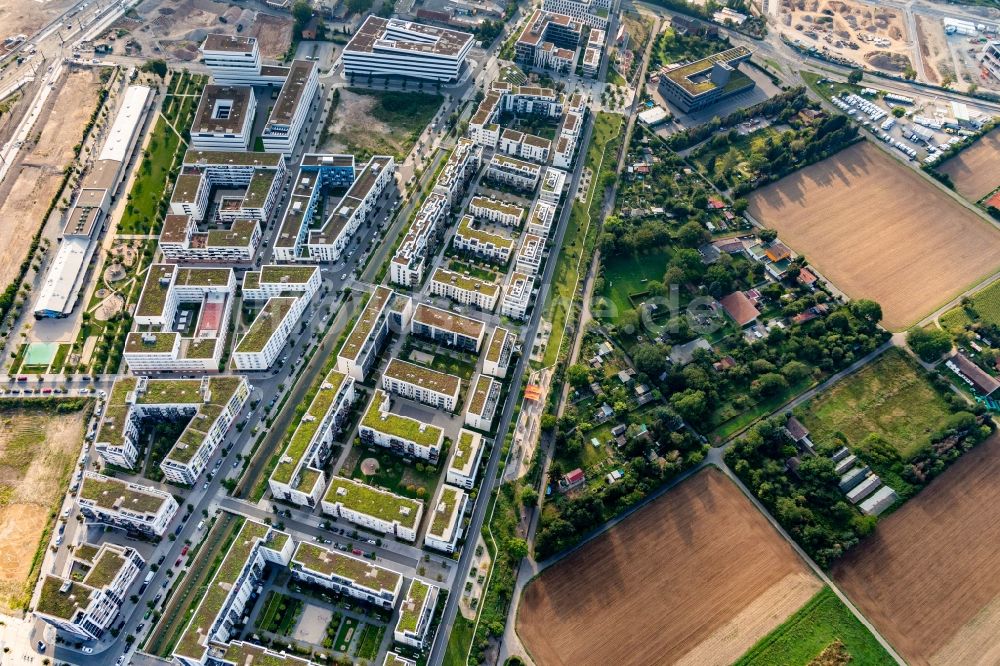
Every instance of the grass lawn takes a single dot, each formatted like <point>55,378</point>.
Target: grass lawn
<point>398,476</point>
<point>459,642</point>
<point>370,641</point>
<point>890,397</point>
<point>726,420</point>
<point>601,161</point>
<point>405,112</point>
<point>823,621</point>
<point>451,362</point>
<point>472,269</point>
<point>60,358</point>
<point>984,307</point>
<point>142,211</point>
<point>345,634</point>
<point>830,89</point>
<point>269,610</point>
<point>625,275</point>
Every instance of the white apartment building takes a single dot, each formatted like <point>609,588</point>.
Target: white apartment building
<point>437,389</point>
<point>491,246</point>
<point>446,328</point>
<point>346,574</point>
<point>273,280</point>
<point>288,115</point>
<point>384,313</point>
<point>592,12</point>
<point>446,513</point>
<point>464,289</point>
<point>375,509</point>
<point>298,477</point>
<point>410,261</point>
<point>513,172</point>
<point>483,401</point>
<point>990,58</point>
<point>393,659</point>
<point>393,47</point>
<point>224,118</point>
<point>328,242</point>
<point>543,214</point>
<point>258,175</point>
<point>182,242</point>
<point>530,255</point>
<point>526,146</point>
<point>86,602</point>
<point>483,126</point>
<point>402,435</point>
<point>517,296</point>
<point>552,186</point>
<point>463,464</point>
<point>415,614</point>
<point>568,137</point>
<point>229,592</point>
<point>497,212</point>
<point>235,60</point>
<point>499,352</point>
<point>459,170</point>
<point>140,510</point>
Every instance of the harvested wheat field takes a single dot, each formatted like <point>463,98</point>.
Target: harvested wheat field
<point>929,577</point>
<point>38,452</point>
<point>974,170</point>
<point>879,230</point>
<point>696,577</point>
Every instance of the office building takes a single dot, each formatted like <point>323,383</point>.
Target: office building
<point>393,47</point>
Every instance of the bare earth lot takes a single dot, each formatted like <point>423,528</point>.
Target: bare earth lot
<point>976,170</point>
<point>25,198</point>
<point>29,16</point>
<point>878,230</point>
<point>37,453</point>
<point>929,577</point>
<point>697,577</point>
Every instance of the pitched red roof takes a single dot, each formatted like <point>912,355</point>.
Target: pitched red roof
<point>739,307</point>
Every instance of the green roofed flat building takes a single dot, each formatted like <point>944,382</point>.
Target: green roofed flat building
<point>374,508</point>
<point>403,435</point>
<point>137,509</point>
<point>697,85</point>
<point>415,614</point>
<point>446,513</point>
<point>346,574</point>
<point>463,464</point>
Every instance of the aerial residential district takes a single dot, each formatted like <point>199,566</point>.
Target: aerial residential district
<point>558,332</point>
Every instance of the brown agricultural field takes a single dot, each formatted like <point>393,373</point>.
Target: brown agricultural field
<point>879,230</point>
<point>974,170</point>
<point>929,577</point>
<point>697,577</point>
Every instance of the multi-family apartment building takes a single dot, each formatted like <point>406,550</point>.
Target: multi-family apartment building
<point>137,509</point>
<point>567,138</point>
<point>543,214</point>
<point>258,175</point>
<point>287,291</point>
<point>212,403</point>
<point>497,212</point>
<point>384,313</point>
<point>465,289</point>
<point>517,295</point>
<point>298,477</point>
<point>526,146</point>
<point>491,246</point>
<point>592,12</point>
<point>990,58</point>
<point>234,243</point>
<point>513,172</point>
<point>172,339</point>
<point>459,170</point>
<point>373,508</point>
<point>466,454</point>
<point>409,264</point>
<point>402,435</point>
<point>229,591</point>
<point>415,382</point>
<point>224,118</point>
<point>549,41</point>
<point>483,401</point>
<point>499,352</point>
<point>530,254</point>
<point>393,659</point>
<point>346,574</point>
<point>552,185</point>
<point>235,60</point>
<point>415,614</point>
<point>288,115</point>
<point>393,47</point>
<point>447,328</point>
<point>86,602</point>
<point>445,515</point>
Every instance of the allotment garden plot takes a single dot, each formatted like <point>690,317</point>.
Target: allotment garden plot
<point>929,577</point>
<point>696,577</point>
<point>879,230</point>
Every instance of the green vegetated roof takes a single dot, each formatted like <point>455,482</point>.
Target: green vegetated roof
<point>466,450</point>
<point>409,611</point>
<point>53,601</point>
<point>465,282</point>
<point>154,291</point>
<point>479,395</point>
<point>496,344</point>
<point>109,493</point>
<point>203,277</point>
<point>239,234</point>
<point>444,510</point>
<point>403,427</point>
<point>372,501</point>
<point>466,230</point>
<point>266,323</point>
<point>231,158</point>
<point>499,206</point>
<point>85,552</point>
<point>209,409</point>
<point>305,429</point>
<point>334,563</point>
<point>245,654</point>
<point>104,570</point>
<point>681,75</point>
<point>116,412</point>
<point>278,274</point>
<point>427,378</point>
<point>260,185</point>
<point>157,343</point>
<point>365,324</point>
<point>171,391</point>
<point>201,348</point>
<point>195,637</point>
<point>251,280</point>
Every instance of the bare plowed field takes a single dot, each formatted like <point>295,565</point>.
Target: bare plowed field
<point>18,16</point>
<point>697,577</point>
<point>38,450</point>
<point>976,170</point>
<point>879,230</point>
<point>929,577</point>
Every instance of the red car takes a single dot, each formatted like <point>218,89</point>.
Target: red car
<point>46,390</point>
<point>178,562</point>
<point>184,550</point>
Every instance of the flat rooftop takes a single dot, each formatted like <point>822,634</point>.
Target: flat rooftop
<point>223,109</point>
<point>377,34</point>
<point>465,451</point>
<point>369,317</point>
<point>424,377</point>
<point>291,92</point>
<point>231,43</point>
<point>372,501</point>
<point>209,158</point>
<point>117,495</point>
<point>444,320</point>
<point>358,571</point>
<point>683,75</point>
<point>404,427</point>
